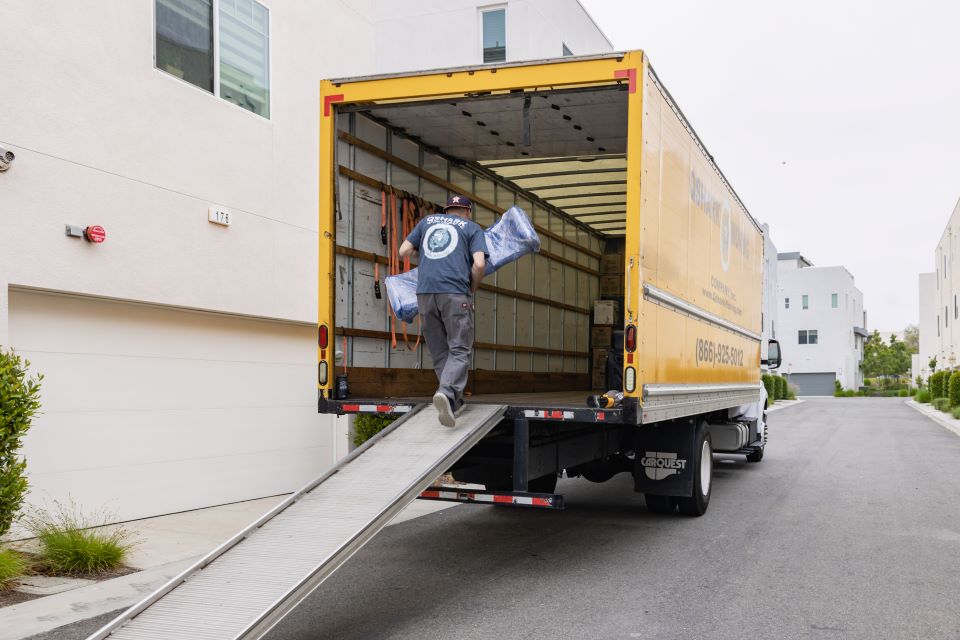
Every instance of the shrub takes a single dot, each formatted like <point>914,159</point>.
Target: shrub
<point>923,396</point>
<point>956,413</point>
<point>768,383</point>
<point>781,383</point>
<point>12,565</point>
<point>938,384</point>
<point>792,391</point>
<point>69,543</point>
<point>953,389</point>
<point>903,393</point>
<point>941,404</point>
<point>365,426</point>
<point>19,403</point>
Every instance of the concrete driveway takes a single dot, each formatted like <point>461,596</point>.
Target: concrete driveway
<point>849,528</point>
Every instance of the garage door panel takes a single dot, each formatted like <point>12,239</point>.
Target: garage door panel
<point>72,441</point>
<point>70,324</point>
<point>813,384</point>
<point>181,485</point>
<point>83,382</point>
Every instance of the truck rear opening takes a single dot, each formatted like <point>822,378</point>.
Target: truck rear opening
<point>560,154</point>
<point>648,280</point>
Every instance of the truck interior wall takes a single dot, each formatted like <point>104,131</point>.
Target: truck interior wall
<point>532,316</point>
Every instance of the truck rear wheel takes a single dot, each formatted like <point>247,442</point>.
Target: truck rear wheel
<point>696,505</point>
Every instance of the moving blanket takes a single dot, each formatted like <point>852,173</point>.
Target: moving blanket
<point>511,237</point>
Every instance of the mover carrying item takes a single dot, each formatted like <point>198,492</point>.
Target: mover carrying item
<point>511,237</point>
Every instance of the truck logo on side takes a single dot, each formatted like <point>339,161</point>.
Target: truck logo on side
<point>658,465</point>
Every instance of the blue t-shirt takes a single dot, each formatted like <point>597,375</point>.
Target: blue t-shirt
<point>446,245</point>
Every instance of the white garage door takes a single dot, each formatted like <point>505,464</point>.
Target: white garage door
<point>150,410</point>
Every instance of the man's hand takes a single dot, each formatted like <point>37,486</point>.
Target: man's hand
<point>476,272</point>
<point>407,249</point>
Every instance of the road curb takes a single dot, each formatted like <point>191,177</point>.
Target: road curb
<point>787,405</point>
<point>937,416</point>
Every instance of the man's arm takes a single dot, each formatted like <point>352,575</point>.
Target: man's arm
<point>476,271</point>
<point>407,249</point>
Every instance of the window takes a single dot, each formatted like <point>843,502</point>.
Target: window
<point>566,50</point>
<point>786,303</point>
<point>244,55</point>
<point>834,301</point>
<point>184,42</point>
<point>494,35</point>
<point>237,69</point>
<point>807,336</point>
<point>805,301</point>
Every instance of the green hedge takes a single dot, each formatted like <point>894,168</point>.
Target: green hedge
<point>923,396</point>
<point>19,403</point>
<point>770,385</point>
<point>953,389</point>
<point>941,404</point>
<point>781,387</point>
<point>365,426</point>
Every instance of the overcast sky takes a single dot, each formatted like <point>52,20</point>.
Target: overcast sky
<point>838,123</point>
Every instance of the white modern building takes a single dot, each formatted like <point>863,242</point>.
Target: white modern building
<point>947,281</point>
<point>822,325</point>
<point>769,306</point>
<point>929,332</point>
<point>179,353</point>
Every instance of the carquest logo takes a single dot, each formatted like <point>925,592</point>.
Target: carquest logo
<point>658,465</point>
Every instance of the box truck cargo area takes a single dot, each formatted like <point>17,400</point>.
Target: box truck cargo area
<point>648,280</point>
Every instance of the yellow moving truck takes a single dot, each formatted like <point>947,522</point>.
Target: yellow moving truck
<point>632,213</point>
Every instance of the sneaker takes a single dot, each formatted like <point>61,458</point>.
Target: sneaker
<point>460,408</point>
<point>442,404</point>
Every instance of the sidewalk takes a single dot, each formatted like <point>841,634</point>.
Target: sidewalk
<point>166,545</point>
<point>945,420</point>
<point>783,404</point>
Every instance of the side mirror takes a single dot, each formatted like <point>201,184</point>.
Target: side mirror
<point>773,355</point>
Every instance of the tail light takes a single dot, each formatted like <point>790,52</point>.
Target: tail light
<point>323,336</point>
<point>630,338</point>
<point>322,374</point>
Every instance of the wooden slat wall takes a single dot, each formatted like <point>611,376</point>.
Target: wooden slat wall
<point>532,315</point>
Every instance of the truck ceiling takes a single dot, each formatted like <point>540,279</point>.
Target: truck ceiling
<point>565,147</point>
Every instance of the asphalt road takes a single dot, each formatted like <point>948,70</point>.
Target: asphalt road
<point>849,528</point>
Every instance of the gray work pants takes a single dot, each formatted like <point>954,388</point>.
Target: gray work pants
<point>448,329</point>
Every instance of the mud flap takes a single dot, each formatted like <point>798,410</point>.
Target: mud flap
<point>665,458</point>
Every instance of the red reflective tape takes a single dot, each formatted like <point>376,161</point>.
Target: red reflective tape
<point>384,408</point>
<point>556,414</point>
<point>541,502</point>
<point>601,415</point>
<point>350,407</point>
<point>503,499</point>
<point>328,100</point>
<point>430,494</point>
<point>630,75</point>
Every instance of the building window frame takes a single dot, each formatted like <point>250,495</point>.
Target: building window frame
<point>786,303</point>
<point>808,336</point>
<point>834,300</point>
<point>805,301</point>
<point>217,58</point>
<point>481,13</point>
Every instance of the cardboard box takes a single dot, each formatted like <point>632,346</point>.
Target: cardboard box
<point>611,285</point>
<point>600,358</point>
<point>606,312</point>
<point>601,337</point>
<point>599,380</point>
<point>612,263</point>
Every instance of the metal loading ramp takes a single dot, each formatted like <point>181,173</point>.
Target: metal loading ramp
<point>245,586</point>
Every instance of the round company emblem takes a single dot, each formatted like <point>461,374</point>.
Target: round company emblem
<point>725,233</point>
<point>441,240</point>
<point>95,234</point>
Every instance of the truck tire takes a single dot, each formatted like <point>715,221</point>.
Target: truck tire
<point>660,504</point>
<point>696,505</point>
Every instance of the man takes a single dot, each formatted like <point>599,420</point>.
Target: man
<point>452,257</point>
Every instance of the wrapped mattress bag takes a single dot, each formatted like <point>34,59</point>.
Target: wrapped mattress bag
<point>511,237</point>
